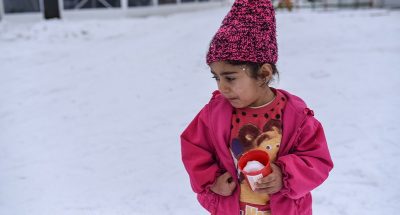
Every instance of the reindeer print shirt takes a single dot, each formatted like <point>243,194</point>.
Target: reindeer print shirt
<point>256,128</point>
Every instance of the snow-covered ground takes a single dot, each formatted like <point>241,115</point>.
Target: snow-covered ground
<point>91,110</point>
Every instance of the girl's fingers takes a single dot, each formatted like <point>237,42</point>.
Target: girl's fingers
<point>229,188</point>
<point>232,186</point>
<point>264,185</point>
<point>271,183</point>
<point>231,183</point>
<point>228,185</point>
<point>271,177</point>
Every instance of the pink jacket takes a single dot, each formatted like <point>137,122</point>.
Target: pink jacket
<point>303,157</point>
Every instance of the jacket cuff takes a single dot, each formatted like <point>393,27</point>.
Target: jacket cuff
<point>285,177</point>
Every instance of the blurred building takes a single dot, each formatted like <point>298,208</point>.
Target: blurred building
<point>387,3</point>
<point>356,3</point>
<point>346,3</point>
<point>15,6</point>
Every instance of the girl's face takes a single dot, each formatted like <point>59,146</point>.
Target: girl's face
<point>235,84</point>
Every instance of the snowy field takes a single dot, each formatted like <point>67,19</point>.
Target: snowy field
<point>91,110</point>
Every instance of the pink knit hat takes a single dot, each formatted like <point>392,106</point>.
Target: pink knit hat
<point>247,33</point>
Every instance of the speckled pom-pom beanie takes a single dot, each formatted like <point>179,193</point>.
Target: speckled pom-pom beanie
<point>247,33</point>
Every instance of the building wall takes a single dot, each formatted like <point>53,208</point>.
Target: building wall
<point>389,3</point>
<point>14,6</point>
<point>70,4</point>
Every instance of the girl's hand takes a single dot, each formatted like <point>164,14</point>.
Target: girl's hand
<point>224,185</point>
<point>272,183</point>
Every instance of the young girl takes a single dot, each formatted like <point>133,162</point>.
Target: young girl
<point>246,114</point>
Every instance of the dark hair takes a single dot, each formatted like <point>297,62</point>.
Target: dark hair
<point>254,68</point>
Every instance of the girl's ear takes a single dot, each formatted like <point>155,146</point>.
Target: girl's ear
<point>265,73</point>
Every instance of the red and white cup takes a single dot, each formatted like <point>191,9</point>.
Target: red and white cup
<point>255,155</point>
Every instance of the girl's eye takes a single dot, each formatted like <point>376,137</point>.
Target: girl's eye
<point>268,147</point>
<point>215,77</point>
<point>229,79</point>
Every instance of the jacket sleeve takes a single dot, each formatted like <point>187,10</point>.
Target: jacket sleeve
<point>198,153</point>
<point>308,164</point>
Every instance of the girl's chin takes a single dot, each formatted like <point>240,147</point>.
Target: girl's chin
<point>237,104</point>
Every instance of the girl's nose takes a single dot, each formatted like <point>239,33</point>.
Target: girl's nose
<point>222,87</point>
